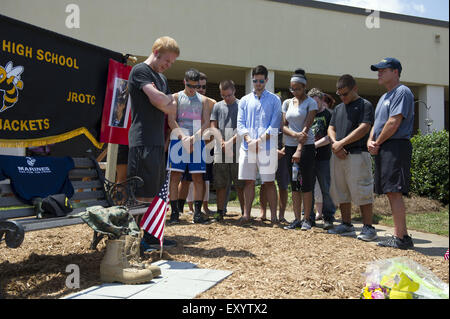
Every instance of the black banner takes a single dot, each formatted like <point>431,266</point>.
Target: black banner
<point>52,87</point>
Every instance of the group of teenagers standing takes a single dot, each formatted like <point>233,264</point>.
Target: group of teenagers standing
<point>295,142</point>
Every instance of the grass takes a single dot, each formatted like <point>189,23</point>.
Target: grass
<point>434,222</point>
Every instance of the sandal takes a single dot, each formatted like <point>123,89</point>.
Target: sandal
<point>243,221</point>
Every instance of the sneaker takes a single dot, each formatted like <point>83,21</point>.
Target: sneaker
<point>296,224</point>
<point>151,242</point>
<point>327,224</point>
<point>174,218</point>
<point>210,213</point>
<point>368,233</point>
<point>218,216</point>
<point>199,218</point>
<point>343,230</point>
<point>395,242</point>
<point>306,225</point>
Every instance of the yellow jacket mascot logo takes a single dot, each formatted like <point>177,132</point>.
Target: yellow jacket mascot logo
<point>10,83</point>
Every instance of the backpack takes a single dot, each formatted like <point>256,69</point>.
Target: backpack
<point>57,205</point>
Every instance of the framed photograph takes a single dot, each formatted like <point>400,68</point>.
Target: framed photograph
<point>120,106</point>
<point>116,119</point>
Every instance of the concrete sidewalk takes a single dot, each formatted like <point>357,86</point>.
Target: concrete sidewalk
<point>425,243</point>
<point>178,280</point>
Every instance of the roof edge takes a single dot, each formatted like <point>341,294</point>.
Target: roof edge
<point>362,11</point>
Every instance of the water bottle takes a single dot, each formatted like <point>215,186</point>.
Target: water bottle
<point>295,169</point>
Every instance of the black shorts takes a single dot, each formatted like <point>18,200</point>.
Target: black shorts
<point>393,167</point>
<point>282,174</point>
<point>306,166</point>
<point>148,163</point>
<point>122,155</point>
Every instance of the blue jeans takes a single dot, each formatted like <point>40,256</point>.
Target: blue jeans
<point>322,173</point>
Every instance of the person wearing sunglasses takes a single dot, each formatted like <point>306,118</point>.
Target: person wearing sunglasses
<point>187,144</point>
<point>298,117</point>
<point>208,176</point>
<point>259,118</point>
<point>186,188</point>
<point>351,163</point>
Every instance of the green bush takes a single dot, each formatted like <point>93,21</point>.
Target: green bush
<point>429,165</point>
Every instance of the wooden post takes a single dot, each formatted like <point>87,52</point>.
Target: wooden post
<point>111,163</point>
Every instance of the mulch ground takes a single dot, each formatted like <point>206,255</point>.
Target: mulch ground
<point>266,260</point>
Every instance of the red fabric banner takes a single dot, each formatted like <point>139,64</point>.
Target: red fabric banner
<point>116,118</point>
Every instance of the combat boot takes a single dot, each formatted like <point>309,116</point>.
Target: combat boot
<point>199,218</point>
<point>132,251</point>
<point>115,267</point>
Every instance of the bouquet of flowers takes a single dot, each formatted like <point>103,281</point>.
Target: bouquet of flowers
<point>374,291</point>
<point>401,278</point>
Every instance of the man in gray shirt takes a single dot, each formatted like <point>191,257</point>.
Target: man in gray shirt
<point>389,141</point>
<point>226,167</point>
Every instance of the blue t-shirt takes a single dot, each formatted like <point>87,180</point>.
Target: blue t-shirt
<point>37,176</point>
<point>397,101</point>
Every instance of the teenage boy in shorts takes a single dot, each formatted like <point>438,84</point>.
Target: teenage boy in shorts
<point>186,150</point>
<point>259,119</point>
<point>351,164</point>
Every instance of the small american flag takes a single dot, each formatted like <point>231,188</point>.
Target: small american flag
<point>446,255</point>
<point>153,221</point>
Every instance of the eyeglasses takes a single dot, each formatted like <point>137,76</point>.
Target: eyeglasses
<point>294,90</point>
<point>202,87</point>
<point>260,81</point>
<point>343,94</point>
<point>193,86</point>
<point>227,96</point>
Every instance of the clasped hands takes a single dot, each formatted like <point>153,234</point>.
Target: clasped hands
<point>254,144</point>
<point>373,147</point>
<point>188,143</point>
<point>339,150</point>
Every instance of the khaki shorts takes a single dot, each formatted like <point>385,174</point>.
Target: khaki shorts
<point>225,173</point>
<point>251,163</point>
<point>352,179</point>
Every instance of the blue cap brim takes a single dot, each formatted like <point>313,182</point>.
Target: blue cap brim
<point>381,65</point>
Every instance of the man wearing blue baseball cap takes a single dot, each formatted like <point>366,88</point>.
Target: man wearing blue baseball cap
<point>389,142</point>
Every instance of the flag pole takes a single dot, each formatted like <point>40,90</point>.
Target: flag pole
<point>165,213</point>
<point>162,238</point>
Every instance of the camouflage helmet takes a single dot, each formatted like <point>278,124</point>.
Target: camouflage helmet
<point>113,221</point>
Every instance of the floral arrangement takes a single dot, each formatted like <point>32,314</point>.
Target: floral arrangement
<point>374,291</point>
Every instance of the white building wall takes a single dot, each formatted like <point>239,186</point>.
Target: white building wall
<point>236,35</point>
<point>246,33</point>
